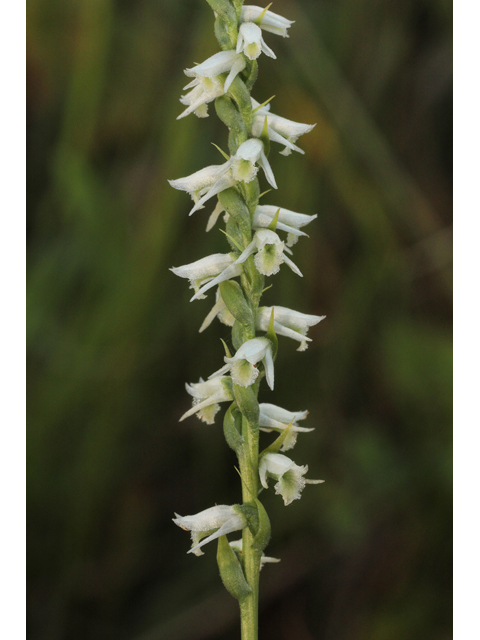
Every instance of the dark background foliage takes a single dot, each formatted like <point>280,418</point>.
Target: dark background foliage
<point>112,337</point>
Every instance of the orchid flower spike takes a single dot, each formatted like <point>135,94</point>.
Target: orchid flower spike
<point>237,546</point>
<point>208,84</point>
<point>242,366</point>
<point>241,167</point>
<point>289,476</point>
<point>266,20</point>
<point>270,253</point>
<point>288,221</point>
<point>204,270</point>
<point>273,418</point>
<point>219,311</point>
<point>279,129</point>
<point>289,323</point>
<point>207,396</point>
<point>221,519</point>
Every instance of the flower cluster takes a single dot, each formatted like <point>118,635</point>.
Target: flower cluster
<point>258,248</point>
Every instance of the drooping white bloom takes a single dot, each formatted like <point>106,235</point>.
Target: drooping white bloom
<point>240,167</point>
<point>270,21</point>
<point>280,129</point>
<point>289,476</point>
<point>269,253</point>
<point>207,83</point>
<point>220,520</point>
<point>251,42</point>
<point>288,322</point>
<point>219,311</point>
<point>288,221</point>
<point>237,546</point>
<point>198,183</point>
<point>242,366</point>
<point>218,265</point>
<point>273,418</point>
<point>206,398</point>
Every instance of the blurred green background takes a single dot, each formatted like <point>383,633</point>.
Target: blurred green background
<point>112,337</point>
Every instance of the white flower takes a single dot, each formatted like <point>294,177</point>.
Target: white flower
<point>288,221</point>
<point>289,476</point>
<point>280,129</point>
<point>237,546</point>
<point>270,21</point>
<point>270,253</point>
<point>241,167</point>
<point>200,182</point>
<point>213,523</point>
<point>218,265</point>
<point>242,366</point>
<point>251,42</point>
<point>207,83</point>
<point>273,418</point>
<point>219,310</point>
<point>206,398</point>
<point>288,322</point>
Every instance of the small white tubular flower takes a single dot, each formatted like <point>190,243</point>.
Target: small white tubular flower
<point>205,269</point>
<point>289,476</point>
<point>273,418</point>
<point>203,91</point>
<point>288,221</point>
<point>251,42</point>
<point>243,162</point>
<point>242,366</point>
<point>199,183</point>
<point>270,21</point>
<point>211,524</point>
<point>280,129</point>
<point>270,253</point>
<point>219,311</point>
<point>237,546</point>
<point>288,322</point>
<point>206,398</point>
<point>223,62</point>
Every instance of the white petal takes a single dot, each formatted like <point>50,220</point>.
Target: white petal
<point>271,21</point>
<point>263,162</point>
<point>246,253</point>
<point>232,271</point>
<point>234,524</point>
<point>269,370</point>
<point>266,50</point>
<point>221,184</point>
<point>215,65</point>
<point>292,266</point>
<point>238,66</point>
<point>214,216</point>
<point>253,350</point>
<point>207,267</point>
<point>199,180</point>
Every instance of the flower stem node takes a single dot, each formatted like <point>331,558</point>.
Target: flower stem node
<point>210,524</point>
<point>289,476</point>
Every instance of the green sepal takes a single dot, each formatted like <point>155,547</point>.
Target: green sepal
<point>232,428</point>
<point>241,96</point>
<point>272,336</point>
<point>262,15</point>
<point>247,402</point>
<point>227,157</point>
<point>277,443</point>
<point>237,335</point>
<point>264,137</point>
<point>273,225</point>
<point>231,571</point>
<point>263,104</point>
<point>264,531</point>
<point>227,350</point>
<point>233,297</point>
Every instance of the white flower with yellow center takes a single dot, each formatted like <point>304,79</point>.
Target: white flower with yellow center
<point>289,476</point>
<point>269,253</point>
<point>279,129</point>
<point>243,365</point>
<point>273,418</point>
<point>288,323</point>
<point>218,267</point>
<point>288,221</point>
<point>266,20</point>
<point>251,42</point>
<point>207,396</point>
<point>211,524</point>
